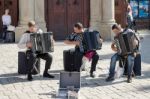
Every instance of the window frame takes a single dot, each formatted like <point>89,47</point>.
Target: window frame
<point>138,16</point>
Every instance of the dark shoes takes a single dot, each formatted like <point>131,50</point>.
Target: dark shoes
<point>47,75</point>
<point>29,77</point>
<point>129,80</point>
<point>109,79</point>
<point>83,69</point>
<point>92,75</point>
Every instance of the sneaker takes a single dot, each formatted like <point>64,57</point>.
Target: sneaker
<point>109,79</point>
<point>30,78</point>
<point>47,75</point>
<point>133,75</point>
<point>83,69</point>
<point>129,79</point>
<point>92,75</point>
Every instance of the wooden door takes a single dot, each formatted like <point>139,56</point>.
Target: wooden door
<point>78,11</point>
<point>1,13</point>
<point>120,12</point>
<point>12,5</point>
<point>56,17</point>
<point>61,15</point>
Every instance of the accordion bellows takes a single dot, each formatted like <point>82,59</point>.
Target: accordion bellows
<point>42,42</point>
<point>91,40</point>
<point>126,43</point>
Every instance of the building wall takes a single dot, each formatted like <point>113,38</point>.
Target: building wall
<point>101,17</point>
<point>121,10</point>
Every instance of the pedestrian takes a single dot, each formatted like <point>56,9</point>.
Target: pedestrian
<point>6,20</point>
<point>130,19</point>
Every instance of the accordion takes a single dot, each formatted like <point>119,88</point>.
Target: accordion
<point>91,40</point>
<point>126,43</point>
<point>42,43</point>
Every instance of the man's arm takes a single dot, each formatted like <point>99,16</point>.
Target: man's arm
<point>23,43</point>
<point>101,40</point>
<point>72,42</point>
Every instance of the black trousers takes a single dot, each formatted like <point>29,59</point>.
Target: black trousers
<point>95,59</point>
<point>4,32</point>
<point>32,58</point>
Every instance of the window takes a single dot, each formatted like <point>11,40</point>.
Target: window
<point>140,8</point>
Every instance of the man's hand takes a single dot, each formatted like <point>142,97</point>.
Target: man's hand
<point>135,54</point>
<point>100,40</point>
<point>29,45</point>
<point>72,42</point>
<point>76,43</point>
<point>113,47</point>
<point>52,40</point>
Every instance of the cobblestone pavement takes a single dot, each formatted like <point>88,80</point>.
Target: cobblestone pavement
<point>14,86</point>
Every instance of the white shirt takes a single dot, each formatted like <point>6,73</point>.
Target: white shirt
<point>6,19</point>
<point>25,39</point>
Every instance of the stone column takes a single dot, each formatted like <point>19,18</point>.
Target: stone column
<point>95,14</point>
<point>39,14</point>
<point>25,14</point>
<point>30,10</point>
<point>108,13</point>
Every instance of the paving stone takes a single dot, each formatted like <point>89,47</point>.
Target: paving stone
<point>14,86</point>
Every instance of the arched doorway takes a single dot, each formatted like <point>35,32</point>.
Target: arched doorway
<point>61,15</point>
<point>12,5</point>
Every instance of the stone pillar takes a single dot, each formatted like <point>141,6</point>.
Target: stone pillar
<point>25,14</point>
<point>30,10</point>
<point>108,14</point>
<point>95,14</point>
<point>39,14</point>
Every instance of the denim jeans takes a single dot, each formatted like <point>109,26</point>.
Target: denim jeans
<point>115,58</point>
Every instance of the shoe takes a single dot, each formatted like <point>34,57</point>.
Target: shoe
<point>109,79</point>
<point>83,69</point>
<point>133,75</point>
<point>47,75</point>
<point>30,78</point>
<point>129,80</point>
<point>92,75</point>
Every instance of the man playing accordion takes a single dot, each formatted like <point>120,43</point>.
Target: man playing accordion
<point>117,56</point>
<point>76,39</point>
<point>25,43</point>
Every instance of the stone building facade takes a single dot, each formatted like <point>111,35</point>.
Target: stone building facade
<point>101,16</point>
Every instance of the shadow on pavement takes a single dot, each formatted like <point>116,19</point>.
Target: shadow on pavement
<point>145,75</point>
<point>144,88</point>
<point>12,78</point>
<point>53,94</point>
<point>96,82</point>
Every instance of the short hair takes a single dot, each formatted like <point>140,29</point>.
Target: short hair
<point>116,26</point>
<point>6,9</point>
<point>31,23</point>
<point>78,25</point>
